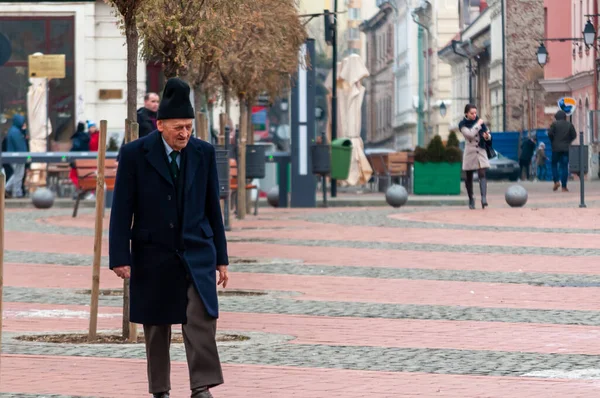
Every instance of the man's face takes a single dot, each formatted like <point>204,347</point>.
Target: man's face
<point>152,102</point>
<point>176,132</point>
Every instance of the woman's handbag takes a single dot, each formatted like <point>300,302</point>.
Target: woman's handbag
<point>491,153</point>
<point>487,145</point>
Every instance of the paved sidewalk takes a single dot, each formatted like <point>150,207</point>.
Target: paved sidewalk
<point>342,302</point>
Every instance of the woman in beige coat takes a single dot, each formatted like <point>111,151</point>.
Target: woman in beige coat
<point>475,155</point>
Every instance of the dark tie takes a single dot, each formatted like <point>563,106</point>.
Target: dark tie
<point>173,164</point>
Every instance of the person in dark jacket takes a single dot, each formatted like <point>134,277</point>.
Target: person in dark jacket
<point>80,142</point>
<point>527,150</point>
<point>15,142</point>
<point>146,116</point>
<point>167,184</point>
<point>561,135</point>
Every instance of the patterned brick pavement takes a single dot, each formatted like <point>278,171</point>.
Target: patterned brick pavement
<point>352,302</point>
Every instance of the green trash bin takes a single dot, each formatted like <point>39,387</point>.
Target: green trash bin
<point>341,154</point>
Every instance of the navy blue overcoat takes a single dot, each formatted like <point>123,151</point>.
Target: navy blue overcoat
<point>170,235</point>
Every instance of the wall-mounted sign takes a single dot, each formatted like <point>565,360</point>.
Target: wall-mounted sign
<point>106,94</point>
<point>50,66</point>
<point>568,105</point>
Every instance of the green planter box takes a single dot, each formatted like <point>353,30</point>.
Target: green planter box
<point>437,178</point>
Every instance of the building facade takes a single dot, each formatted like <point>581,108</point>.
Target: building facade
<point>406,78</point>
<point>440,22</point>
<point>379,99</point>
<point>86,32</point>
<point>502,71</point>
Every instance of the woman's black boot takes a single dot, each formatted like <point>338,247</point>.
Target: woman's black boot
<point>472,203</point>
<point>483,188</point>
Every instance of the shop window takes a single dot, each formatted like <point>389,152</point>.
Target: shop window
<point>48,35</point>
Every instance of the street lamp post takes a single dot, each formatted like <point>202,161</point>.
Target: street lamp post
<point>443,109</point>
<point>542,55</point>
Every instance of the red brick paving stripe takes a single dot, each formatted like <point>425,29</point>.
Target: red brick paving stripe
<point>57,276</point>
<point>493,262</point>
<point>331,232</point>
<point>399,291</point>
<point>375,332</point>
<point>119,378</point>
<point>523,217</point>
<point>51,243</point>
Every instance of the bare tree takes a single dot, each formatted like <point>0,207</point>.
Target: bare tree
<point>127,11</point>
<point>260,60</point>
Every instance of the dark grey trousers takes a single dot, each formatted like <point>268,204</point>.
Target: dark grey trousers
<point>200,348</point>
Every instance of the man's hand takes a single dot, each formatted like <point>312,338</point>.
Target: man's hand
<point>223,275</point>
<point>123,272</point>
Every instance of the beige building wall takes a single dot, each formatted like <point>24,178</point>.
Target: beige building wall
<point>445,28</point>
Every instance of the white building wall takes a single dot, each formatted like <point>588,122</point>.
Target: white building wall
<point>445,26</point>
<point>406,79</point>
<point>100,58</point>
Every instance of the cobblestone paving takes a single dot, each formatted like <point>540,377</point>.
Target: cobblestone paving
<point>536,279</point>
<point>379,218</point>
<point>463,362</point>
<point>431,247</point>
<point>277,303</point>
<point>267,347</point>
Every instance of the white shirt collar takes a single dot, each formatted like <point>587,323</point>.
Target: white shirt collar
<point>168,148</point>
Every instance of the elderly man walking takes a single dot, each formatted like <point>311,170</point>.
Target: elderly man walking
<point>167,185</point>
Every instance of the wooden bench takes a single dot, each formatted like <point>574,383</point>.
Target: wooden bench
<point>391,165</point>
<point>87,177</point>
<point>233,185</point>
<point>58,179</point>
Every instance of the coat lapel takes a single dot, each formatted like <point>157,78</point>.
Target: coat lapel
<point>193,159</point>
<point>156,156</point>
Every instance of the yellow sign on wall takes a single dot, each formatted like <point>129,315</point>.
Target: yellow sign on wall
<point>51,66</point>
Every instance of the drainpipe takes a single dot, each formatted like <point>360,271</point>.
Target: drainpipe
<point>427,34</point>
<point>454,44</point>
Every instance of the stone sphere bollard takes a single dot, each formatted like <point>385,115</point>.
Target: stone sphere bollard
<point>273,196</point>
<point>516,196</point>
<point>42,198</point>
<point>396,196</point>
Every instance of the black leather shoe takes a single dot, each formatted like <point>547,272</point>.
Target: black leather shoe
<point>201,393</point>
<point>161,395</point>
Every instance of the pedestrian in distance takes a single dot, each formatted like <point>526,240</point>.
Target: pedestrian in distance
<point>561,135</point>
<point>527,151</point>
<point>541,158</point>
<point>167,185</point>
<point>475,157</point>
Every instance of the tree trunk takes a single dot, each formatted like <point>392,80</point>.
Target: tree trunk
<point>250,141</point>
<point>241,179</point>
<point>198,96</point>
<point>211,117</point>
<point>132,37</point>
<point>227,98</point>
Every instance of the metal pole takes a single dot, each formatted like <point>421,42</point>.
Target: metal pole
<point>48,146</point>
<point>334,89</point>
<point>581,172</point>
<point>226,200</point>
<point>324,190</point>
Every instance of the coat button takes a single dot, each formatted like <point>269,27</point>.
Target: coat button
<point>171,225</point>
<point>168,197</point>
